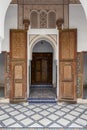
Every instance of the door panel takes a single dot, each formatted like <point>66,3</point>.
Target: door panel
<point>67,90</point>
<point>18,57</point>
<point>67,62</point>
<point>68,46</point>
<point>44,70</point>
<point>67,75</point>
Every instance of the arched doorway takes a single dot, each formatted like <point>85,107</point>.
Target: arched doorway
<point>43,79</point>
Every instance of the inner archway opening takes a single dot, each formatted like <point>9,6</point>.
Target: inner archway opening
<point>43,71</point>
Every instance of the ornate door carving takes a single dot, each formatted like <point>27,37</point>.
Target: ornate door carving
<point>67,54</point>
<point>18,57</point>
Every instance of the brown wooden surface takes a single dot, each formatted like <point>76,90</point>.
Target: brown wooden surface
<point>67,80</point>
<point>67,62</point>
<point>68,40</point>
<point>41,68</point>
<point>18,57</point>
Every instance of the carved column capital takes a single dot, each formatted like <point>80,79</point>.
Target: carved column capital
<point>26,23</point>
<point>59,23</point>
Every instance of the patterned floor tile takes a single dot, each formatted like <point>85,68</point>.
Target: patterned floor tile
<point>9,109</point>
<point>35,125</point>
<point>1,112</point>
<point>83,116</point>
<point>45,122</point>
<point>26,122</point>
<point>8,122</point>
<point>55,125</point>
<point>59,115</point>
<point>75,113</point>
<point>29,113</point>
<point>79,109</point>
<point>53,117</point>
<point>13,113</point>
<point>74,125</point>
<point>5,116</point>
<point>44,113</point>
<point>15,125</point>
<point>63,122</point>
<point>36,117</point>
<point>23,109</point>
<point>81,122</point>
<point>37,109</point>
<point>20,116</point>
<point>69,117</point>
<point>51,109</point>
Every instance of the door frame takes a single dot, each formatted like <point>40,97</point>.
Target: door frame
<point>31,43</point>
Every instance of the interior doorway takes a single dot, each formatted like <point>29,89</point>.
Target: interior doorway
<point>41,68</point>
<point>43,71</point>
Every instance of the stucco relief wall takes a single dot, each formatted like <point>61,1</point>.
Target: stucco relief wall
<point>24,12</point>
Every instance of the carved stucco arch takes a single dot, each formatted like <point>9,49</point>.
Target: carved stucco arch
<point>50,40</point>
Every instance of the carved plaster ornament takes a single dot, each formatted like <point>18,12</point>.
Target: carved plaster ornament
<point>26,23</point>
<point>59,23</point>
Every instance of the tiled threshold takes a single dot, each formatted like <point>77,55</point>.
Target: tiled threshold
<point>79,100</point>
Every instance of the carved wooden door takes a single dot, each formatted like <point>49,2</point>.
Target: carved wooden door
<point>67,52</point>
<point>18,57</point>
<point>41,68</point>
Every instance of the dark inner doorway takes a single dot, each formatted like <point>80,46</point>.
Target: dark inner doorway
<point>41,68</point>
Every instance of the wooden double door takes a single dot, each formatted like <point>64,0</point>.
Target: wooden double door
<point>41,68</point>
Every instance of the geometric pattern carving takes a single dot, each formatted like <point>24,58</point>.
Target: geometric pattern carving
<point>43,19</point>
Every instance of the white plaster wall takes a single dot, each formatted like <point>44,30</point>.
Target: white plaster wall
<point>78,20</point>
<point>10,23</point>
